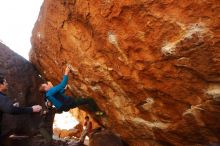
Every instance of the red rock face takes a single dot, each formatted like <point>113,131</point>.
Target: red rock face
<point>152,66</point>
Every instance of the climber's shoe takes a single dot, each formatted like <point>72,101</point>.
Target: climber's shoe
<point>99,113</point>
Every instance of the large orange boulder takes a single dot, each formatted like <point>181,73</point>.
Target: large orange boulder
<point>152,66</point>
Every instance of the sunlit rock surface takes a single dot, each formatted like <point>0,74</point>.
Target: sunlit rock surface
<point>152,66</point>
<point>80,115</point>
<point>70,124</point>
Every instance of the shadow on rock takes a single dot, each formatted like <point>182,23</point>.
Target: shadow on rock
<point>105,138</point>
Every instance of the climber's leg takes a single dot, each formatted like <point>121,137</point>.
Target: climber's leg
<point>92,106</point>
<point>87,101</point>
<point>78,101</point>
<point>83,136</point>
<point>69,103</point>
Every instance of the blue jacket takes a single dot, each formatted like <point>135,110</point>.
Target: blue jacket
<point>56,94</point>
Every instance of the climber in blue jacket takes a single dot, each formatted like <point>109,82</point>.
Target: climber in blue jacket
<point>57,97</point>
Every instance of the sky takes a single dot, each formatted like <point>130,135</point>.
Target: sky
<point>17,19</point>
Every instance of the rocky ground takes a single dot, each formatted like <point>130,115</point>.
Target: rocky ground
<point>97,138</point>
<point>40,141</point>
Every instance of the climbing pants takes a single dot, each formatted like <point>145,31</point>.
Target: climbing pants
<point>72,103</point>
